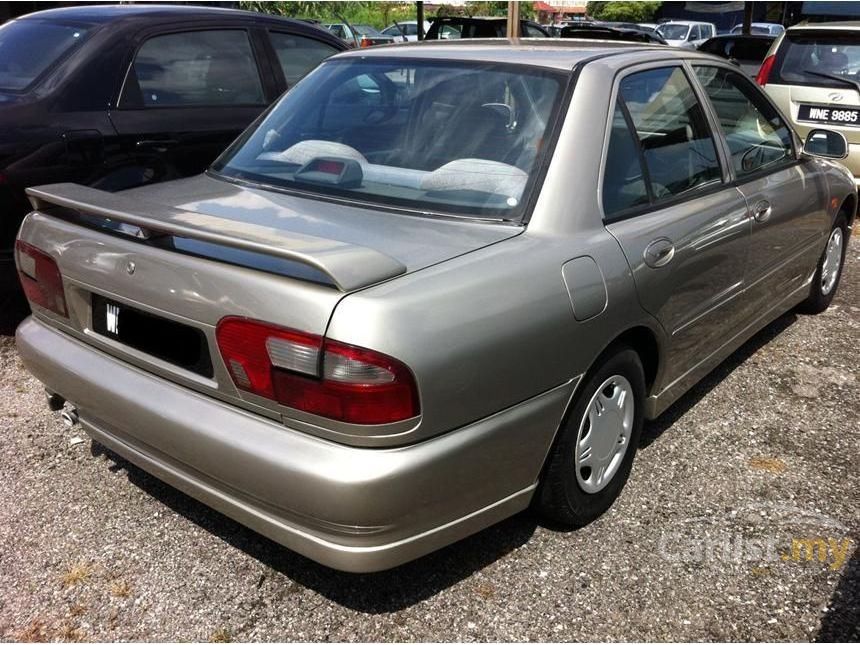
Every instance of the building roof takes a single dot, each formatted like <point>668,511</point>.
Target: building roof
<point>552,8</point>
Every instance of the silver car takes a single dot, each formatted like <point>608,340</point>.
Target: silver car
<point>432,286</point>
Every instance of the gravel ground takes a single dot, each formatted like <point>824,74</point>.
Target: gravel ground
<point>766,449</point>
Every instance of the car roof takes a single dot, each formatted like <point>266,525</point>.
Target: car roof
<point>684,22</point>
<point>553,53</point>
<point>98,14</point>
<point>818,26</point>
<point>770,37</point>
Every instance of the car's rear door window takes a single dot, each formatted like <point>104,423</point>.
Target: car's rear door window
<point>195,68</point>
<point>29,47</point>
<point>818,58</point>
<point>757,136</point>
<point>298,55</point>
<point>624,183</point>
<point>671,132</point>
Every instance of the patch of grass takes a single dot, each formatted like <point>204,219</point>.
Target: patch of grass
<point>77,574</point>
<point>78,609</point>
<point>120,589</point>
<point>485,590</point>
<point>71,634</point>
<point>768,464</point>
<point>35,632</point>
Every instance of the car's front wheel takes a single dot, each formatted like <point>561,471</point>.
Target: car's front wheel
<point>829,269</point>
<point>594,451</point>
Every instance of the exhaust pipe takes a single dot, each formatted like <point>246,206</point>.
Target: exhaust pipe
<point>54,400</point>
<point>69,415</point>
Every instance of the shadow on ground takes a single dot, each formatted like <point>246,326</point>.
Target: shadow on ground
<point>415,581</point>
<point>654,429</point>
<point>375,593</point>
<point>841,623</point>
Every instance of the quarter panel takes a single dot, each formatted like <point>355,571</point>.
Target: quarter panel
<point>487,330</point>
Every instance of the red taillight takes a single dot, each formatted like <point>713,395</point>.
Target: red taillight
<point>316,375</point>
<point>764,71</point>
<point>40,278</point>
<point>364,42</point>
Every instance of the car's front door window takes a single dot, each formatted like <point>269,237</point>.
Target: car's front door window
<point>757,136</point>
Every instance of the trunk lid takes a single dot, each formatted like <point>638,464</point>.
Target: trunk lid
<point>194,251</point>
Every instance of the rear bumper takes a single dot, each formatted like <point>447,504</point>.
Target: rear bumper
<point>354,509</point>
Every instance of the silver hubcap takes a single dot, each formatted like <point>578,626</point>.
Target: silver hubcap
<point>832,260</point>
<point>604,433</point>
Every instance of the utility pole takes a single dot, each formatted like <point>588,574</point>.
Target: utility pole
<point>513,19</point>
<point>419,14</point>
<point>748,13</point>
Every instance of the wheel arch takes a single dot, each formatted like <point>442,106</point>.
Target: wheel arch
<point>849,208</point>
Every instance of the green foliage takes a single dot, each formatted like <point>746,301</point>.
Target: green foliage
<point>621,11</point>
<point>378,14</point>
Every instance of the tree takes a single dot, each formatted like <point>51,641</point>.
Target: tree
<point>621,11</point>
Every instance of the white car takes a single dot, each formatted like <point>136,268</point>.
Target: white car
<point>686,33</point>
<point>406,30</point>
<point>761,28</point>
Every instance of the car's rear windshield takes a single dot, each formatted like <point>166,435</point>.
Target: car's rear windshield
<point>433,136</point>
<point>818,58</point>
<point>29,47</point>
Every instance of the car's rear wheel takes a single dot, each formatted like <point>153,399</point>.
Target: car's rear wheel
<point>593,454</point>
<point>829,270</point>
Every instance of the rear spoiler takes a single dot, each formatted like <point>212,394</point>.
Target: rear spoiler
<point>349,266</point>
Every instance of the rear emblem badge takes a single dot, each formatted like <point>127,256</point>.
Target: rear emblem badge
<point>130,268</point>
<point>835,97</point>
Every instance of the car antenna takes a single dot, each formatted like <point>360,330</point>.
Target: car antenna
<point>401,30</point>
<point>348,26</point>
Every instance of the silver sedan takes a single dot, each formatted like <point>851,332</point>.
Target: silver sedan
<point>435,285</point>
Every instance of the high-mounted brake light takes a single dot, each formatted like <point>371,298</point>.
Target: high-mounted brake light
<point>765,69</point>
<point>316,375</point>
<point>40,278</point>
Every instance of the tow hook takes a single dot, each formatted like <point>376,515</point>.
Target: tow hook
<point>69,415</point>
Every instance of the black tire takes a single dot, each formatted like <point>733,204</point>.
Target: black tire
<point>817,301</point>
<point>560,498</point>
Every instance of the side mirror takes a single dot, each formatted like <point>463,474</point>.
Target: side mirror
<point>826,143</point>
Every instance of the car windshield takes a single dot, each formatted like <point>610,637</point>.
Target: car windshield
<point>673,32</point>
<point>820,59</point>
<point>458,138</point>
<point>365,30</point>
<point>754,29</point>
<point>29,47</point>
<point>468,28</point>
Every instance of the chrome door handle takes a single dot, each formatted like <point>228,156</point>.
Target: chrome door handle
<point>659,253</point>
<point>762,211</point>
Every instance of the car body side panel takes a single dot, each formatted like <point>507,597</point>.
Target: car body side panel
<point>786,245</point>
<point>698,295</point>
<point>486,330</point>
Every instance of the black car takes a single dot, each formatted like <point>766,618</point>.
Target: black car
<point>607,32</point>
<point>747,51</point>
<point>453,27</point>
<point>119,96</point>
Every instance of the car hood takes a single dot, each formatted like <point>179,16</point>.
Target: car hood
<point>414,241</point>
